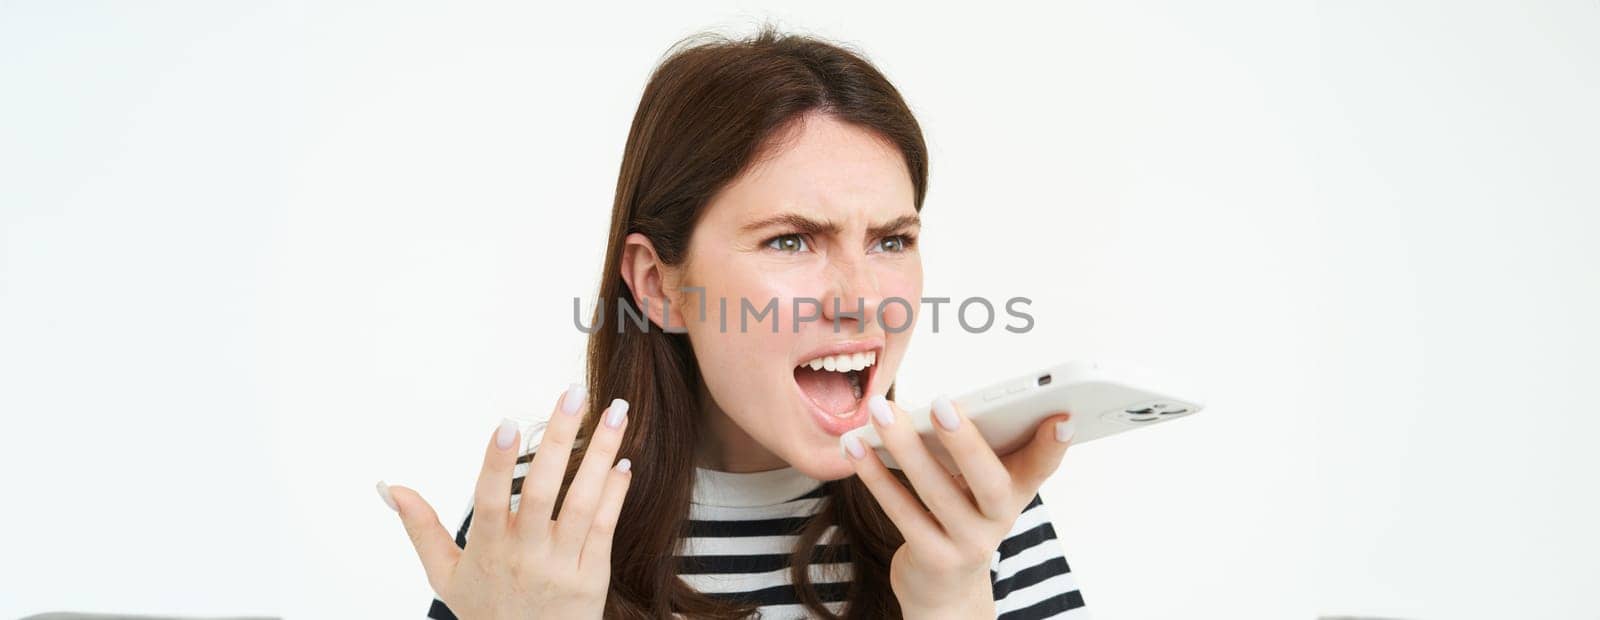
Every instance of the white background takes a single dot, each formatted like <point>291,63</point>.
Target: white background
<point>254,258</point>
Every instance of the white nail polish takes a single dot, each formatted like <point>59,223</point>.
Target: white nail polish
<point>879,406</point>
<point>388,498</point>
<point>1065,430</point>
<point>618,411</point>
<point>506,434</point>
<point>945,412</point>
<point>853,444</point>
<point>574,398</point>
<point>624,465</point>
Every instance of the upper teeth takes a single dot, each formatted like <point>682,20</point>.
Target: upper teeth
<point>844,362</point>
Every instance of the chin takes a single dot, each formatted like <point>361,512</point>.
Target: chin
<point>825,463</point>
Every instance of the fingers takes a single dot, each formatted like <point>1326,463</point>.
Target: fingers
<point>578,509</point>
<point>597,548</point>
<point>491,507</point>
<point>916,524</point>
<point>1031,465</point>
<point>932,482</point>
<point>541,484</point>
<point>986,478</point>
<point>435,548</point>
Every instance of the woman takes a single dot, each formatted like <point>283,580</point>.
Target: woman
<point>757,173</point>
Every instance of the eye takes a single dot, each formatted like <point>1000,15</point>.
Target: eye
<point>791,243</point>
<point>895,243</point>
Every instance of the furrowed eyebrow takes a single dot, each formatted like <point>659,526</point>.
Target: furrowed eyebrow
<point>798,222</point>
<point>894,225</point>
<point>803,224</point>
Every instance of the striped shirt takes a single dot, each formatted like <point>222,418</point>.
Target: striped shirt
<point>743,527</point>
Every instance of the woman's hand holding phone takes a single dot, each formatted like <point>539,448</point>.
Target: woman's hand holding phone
<point>942,570</point>
<point>523,563</point>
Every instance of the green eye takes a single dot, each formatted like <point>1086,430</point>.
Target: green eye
<point>896,243</point>
<point>788,243</point>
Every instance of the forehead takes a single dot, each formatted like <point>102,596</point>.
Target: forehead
<point>824,167</point>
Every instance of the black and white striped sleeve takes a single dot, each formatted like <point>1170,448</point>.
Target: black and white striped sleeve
<point>1029,573</point>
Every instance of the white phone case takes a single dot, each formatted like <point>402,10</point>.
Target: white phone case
<point>1007,413</point>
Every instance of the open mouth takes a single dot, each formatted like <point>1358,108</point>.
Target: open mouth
<point>835,383</point>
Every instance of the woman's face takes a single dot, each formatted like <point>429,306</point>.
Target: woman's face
<point>825,229</point>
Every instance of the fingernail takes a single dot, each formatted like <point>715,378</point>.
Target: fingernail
<point>574,398</point>
<point>1064,430</point>
<point>945,412</point>
<point>879,406</point>
<point>624,465</point>
<point>506,434</point>
<point>618,411</point>
<point>388,498</point>
<point>853,445</point>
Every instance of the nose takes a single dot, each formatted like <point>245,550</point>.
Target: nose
<point>853,297</point>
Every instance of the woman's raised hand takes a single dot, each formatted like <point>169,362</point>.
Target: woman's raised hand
<point>525,564</point>
<point>942,570</point>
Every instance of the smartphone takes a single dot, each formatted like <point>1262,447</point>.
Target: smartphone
<point>1104,402</point>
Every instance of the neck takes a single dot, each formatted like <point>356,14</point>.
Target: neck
<point>724,446</point>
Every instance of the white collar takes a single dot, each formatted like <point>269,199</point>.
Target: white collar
<point>761,488</point>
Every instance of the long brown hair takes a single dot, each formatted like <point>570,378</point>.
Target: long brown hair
<point>711,108</point>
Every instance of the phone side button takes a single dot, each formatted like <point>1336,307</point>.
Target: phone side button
<point>993,394</point>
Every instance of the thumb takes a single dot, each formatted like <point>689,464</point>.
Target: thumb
<point>1034,462</point>
<point>434,546</point>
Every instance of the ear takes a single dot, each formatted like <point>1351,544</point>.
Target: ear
<point>650,281</point>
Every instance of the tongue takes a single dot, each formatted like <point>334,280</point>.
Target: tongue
<point>829,390</point>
